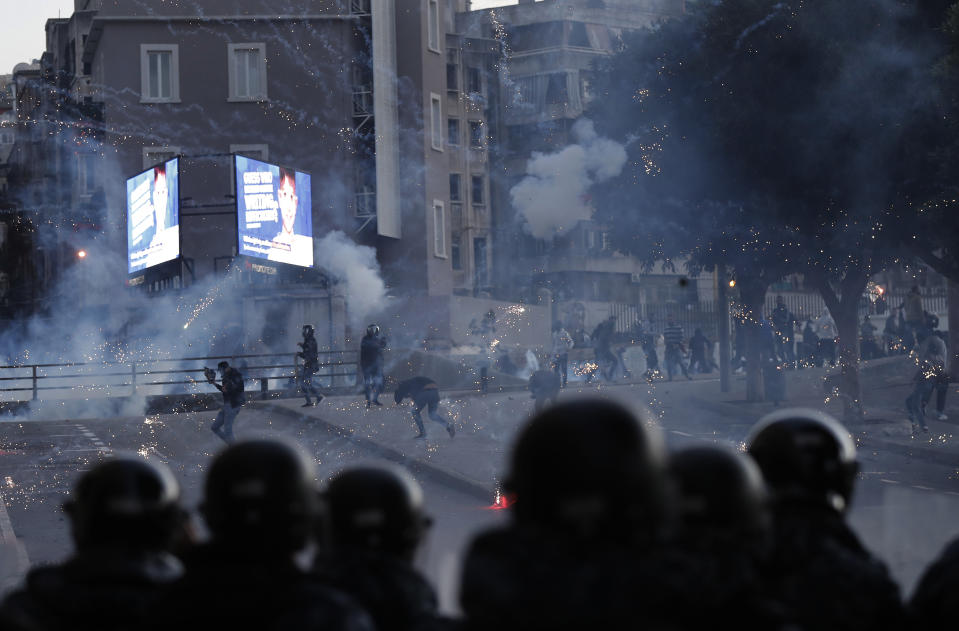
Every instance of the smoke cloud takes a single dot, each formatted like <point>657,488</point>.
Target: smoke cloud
<point>355,265</point>
<point>552,198</point>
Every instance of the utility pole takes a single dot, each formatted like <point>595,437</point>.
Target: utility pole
<point>722,312</point>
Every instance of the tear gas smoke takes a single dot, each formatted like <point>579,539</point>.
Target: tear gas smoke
<point>357,267</point>
<point>552,198</point>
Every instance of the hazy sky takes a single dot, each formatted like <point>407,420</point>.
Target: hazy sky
<point>22,36</point>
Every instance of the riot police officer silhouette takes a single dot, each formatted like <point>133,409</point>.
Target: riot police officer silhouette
<point>825,576</point>
<point>125,517</point>
<point>262,509</point>
<point>377,523</point>
<point>586,487</point>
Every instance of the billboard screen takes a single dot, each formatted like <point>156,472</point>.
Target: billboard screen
<point>274,212</point>
<point>153,216</point>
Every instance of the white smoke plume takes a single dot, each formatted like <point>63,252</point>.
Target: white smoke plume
<point>356,266</point>
<point>552,197</point>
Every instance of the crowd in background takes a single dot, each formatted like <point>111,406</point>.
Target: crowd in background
<point>606,530</point>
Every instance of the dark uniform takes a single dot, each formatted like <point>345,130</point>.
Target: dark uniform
<point>578,551</point>
<point>935,603</point>
<point>544,386</point>
<point>824,576</point>
<point>371,363</point>
<point>125,516</point>
<point>377,522</point>
<point>262,510</point>
<point>425,393</point>
<point>233,398</point>
<point>311,363</point>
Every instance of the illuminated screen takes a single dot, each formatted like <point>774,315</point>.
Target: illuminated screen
<point>274,212</point>
<point>153,216</point>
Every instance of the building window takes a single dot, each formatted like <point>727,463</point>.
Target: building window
<point>433,28</point>
<point>478,189</point>
<point>436,122</point>
<point>86,170</point>
<point>156,155</point>
<point>456,194</point>
<point>452,70</point>
<point>480,263</point>
<point>247,69</point>
<point>455,257</point>
<point>474,83</point>
<point>439,229</point>
<point>453,131</point>
<point>159,73</point>
<point>476,134</point>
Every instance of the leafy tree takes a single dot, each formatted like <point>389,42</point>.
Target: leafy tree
<point>766,136</point>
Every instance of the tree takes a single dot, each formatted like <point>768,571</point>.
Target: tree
<point>765,135</point>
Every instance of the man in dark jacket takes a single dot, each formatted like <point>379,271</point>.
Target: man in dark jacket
<point>424,392</point>
<point>311,363</point>
<point>125,518</point>
<point>371,363</point>
<point>233,398</point>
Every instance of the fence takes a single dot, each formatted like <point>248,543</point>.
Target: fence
<point>703,314</point>
<point>163,376</point>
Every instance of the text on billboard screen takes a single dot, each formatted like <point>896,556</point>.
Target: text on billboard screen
<point>274,212</point>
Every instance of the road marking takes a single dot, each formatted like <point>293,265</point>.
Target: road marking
<point>924,488</point>
<point>66,450</point>
<point>676,431</point>
<point>889,481</point>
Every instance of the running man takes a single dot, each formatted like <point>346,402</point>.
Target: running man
<point>424,392</point>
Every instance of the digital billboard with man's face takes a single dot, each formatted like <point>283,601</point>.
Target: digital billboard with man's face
<point>274,212</point>
<point>153,216</point>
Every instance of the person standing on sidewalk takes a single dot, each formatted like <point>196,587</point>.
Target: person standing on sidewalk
<point>371,363</point>
<point>938,347</point>
<point>562,343</point>
<point>673,338</point>
<point>783,323</point>
<point>424,392</point>
<point>932,362</point>
<point>913,311</point>
<point>311,363</point>
<point>231,385</point>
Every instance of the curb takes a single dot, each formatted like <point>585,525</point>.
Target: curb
<point>9,539</point>
<point>442,475</point>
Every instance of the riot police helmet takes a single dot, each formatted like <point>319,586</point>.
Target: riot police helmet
<point>805,454</point>
<point>307,330</point>
<point>261,494</point>
<point>588,468</point>
<point>373,330</point>
<point>719,491</point>
<point>126,501</point>
<point>377,509</point>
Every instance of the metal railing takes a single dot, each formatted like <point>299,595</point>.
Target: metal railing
<point>170,376</point>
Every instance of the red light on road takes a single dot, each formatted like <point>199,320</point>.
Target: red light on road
<point>501,502</point>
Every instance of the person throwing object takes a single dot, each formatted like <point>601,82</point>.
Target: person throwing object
<point>424,392</point>
<point>231,385</point>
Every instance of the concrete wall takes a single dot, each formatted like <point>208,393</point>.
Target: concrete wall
<point>526,326</point>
